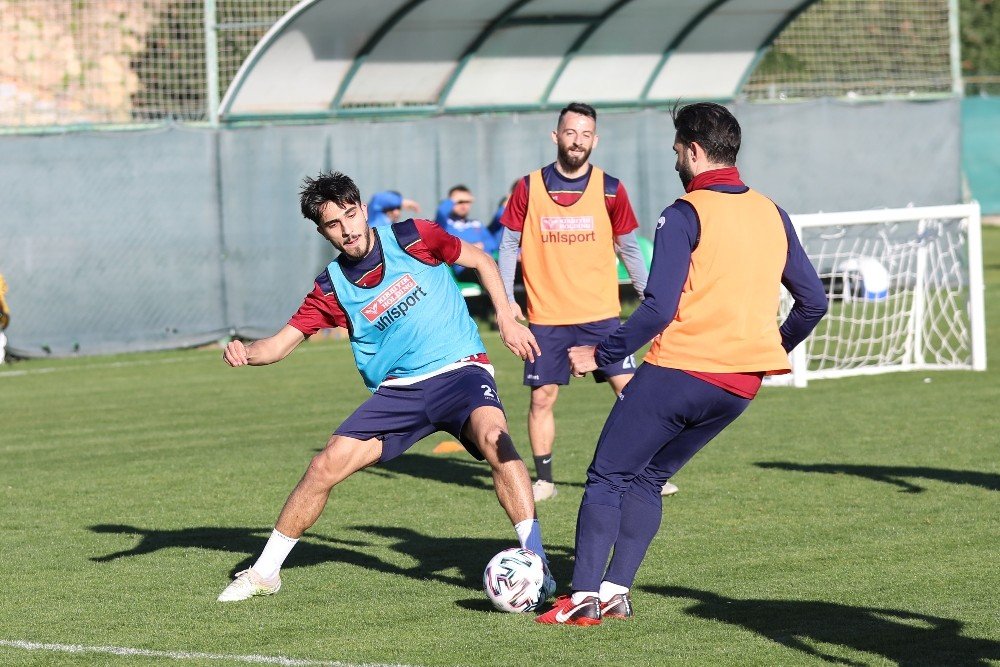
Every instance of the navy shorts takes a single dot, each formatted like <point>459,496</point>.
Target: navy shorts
<point>554,340</point>
<point>399,416</point>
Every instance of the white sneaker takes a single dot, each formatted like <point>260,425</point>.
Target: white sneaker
<point>543,490</point>
<point>668,489</point>
<point>247,584</point>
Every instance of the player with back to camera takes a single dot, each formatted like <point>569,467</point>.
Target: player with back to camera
<point>568,218</point>
<point>418,351</point>
<point>721,254</point>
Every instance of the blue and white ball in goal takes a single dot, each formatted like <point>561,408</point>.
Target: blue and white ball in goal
<point>513,580</point>
<point>865,278</point>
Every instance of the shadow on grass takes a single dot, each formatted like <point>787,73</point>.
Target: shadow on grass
<point>446,469</point>
<point>904,637</point>
<point>894,474</point>
<point>435,555</point>
<point>480,604</point>
<point>464,471</point>
<point>248,542</point>
<point>452,560</point>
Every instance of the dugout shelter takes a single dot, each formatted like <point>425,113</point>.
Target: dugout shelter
<point>327,57</point>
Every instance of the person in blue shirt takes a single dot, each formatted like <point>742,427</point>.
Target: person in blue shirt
<point>386,207</point>
<point>453,214</point>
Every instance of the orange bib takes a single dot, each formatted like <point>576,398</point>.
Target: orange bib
<point>568,256</point>
<point>727,318</point>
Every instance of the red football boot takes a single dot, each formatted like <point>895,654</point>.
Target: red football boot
<point>564,612</point>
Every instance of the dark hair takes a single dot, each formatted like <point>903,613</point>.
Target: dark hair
<point>580,108</point>
<point>330,186</point>
<point>458,188</point>
<point>712,127</point>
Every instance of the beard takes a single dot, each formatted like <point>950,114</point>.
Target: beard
<point>686,174</point>
<point>572,162</point>
<point>361,248</point>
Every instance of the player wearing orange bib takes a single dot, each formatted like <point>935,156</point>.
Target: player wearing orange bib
<point>721,254</point>
<point>567,219</point>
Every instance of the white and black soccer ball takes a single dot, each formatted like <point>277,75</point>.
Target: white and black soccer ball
<point>513,580</point>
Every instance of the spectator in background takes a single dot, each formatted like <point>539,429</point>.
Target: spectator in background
<point>453,215</point>
<point>385,207</point>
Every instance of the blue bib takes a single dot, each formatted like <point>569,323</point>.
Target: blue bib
<point>413,322</point>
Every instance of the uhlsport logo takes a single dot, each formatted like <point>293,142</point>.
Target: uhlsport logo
<point>394,302</point>
<point>568,230</point>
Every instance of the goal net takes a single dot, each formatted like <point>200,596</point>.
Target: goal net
<point>905,289</point>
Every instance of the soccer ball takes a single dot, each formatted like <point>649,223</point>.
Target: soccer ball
<point>513,580</point>
<point>866,278</point>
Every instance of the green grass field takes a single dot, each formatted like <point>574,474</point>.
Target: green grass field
<point>856,522</point>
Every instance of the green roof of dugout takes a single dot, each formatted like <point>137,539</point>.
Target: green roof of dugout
<point>330,58</point>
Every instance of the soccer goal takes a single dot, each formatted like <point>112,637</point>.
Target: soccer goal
<point>905,288</point>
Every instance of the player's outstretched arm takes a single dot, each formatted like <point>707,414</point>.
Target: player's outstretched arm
<point>517,337</point>
<point>264,351</point>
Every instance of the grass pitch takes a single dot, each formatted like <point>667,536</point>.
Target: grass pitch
<point>856,522</point>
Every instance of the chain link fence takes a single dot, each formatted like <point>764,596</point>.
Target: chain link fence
<point>87,62</point>
<point>841,48</point>
<point>72,62</point>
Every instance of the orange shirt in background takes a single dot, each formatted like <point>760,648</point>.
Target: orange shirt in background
<point>567,256</point>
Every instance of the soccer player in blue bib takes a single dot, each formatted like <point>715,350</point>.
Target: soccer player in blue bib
<point>418,351</point>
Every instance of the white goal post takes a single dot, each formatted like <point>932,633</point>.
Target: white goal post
<point>905,290</point>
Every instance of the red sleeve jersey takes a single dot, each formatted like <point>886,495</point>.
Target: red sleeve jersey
<point>432,244</point>
<point>422,239</point>
<point>566,193</point>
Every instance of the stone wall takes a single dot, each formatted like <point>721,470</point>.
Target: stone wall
<point>68,62</point>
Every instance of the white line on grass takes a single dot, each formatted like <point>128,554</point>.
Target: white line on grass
<point>88,367</point>
<point>120,364</point>
<point>184,655</point>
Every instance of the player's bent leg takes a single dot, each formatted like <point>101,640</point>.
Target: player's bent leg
<point>541,435</point>
<point>633,433</point>
<point>487,428</point>
<point>618,383</point>
<point>641,506</point>
<point>341,458</point>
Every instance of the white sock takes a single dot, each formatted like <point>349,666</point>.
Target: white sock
<point>609,590</point>
<point>529,534</point>
<point>274,554</point>
<point>580,596</point>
